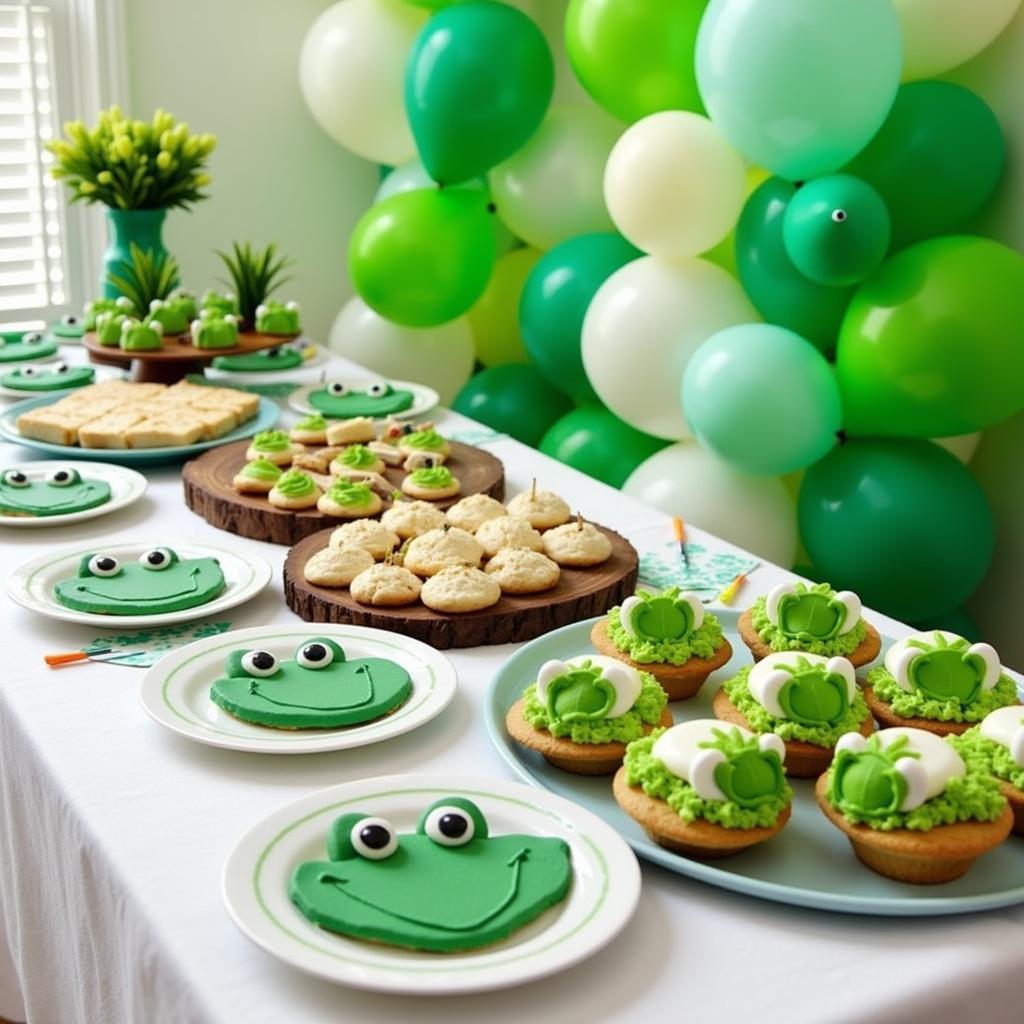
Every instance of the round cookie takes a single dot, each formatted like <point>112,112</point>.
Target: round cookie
<point>356,457</point>
<point>508,532</point>
<point>369,534</point>
<point>520,571</point>
<point>431,483</point>
<point>411,518</point>
<point>435,550</point>
<point>294,490</point>
<point>460,588</point>
<point>336,566</point>
<point>348,500</point>
<point>274,446</point>
<point>544,509</point>
<point>425,440</point>
<point>580,544</point>
<point>257,477</point>
<point>474,510</point>
<point>309,430</point>
<point>385,586</point>
<point>357,430</point>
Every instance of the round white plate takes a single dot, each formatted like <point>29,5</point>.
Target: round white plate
<point>32,585</point>
<point>126,487</point>
<point>176,690</point>
<point>601,900</point>
<point>102,373</point>
<point>298,373</point>
<point>423,398</point>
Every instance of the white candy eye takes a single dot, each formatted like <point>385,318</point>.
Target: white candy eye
<point>549,671</point>
<point>259,663</point>
<point>993,669</point>
<point>292,306</point>
<point>230,318</point>
<point>123,302</point>
<point>629,606</point>
<point>449,826</point>
<point>62,477</point>
<point>775,595</point>
<point>337,389</point>
<point>315,655</point>
<point>261,309</point>
<point>916,778</point>
<point>627,684</point>
<point>854,742</point>
<point>702,774</point>
<point>769,742</point>
<point>155,304</point>
<point>158,327</point>
<point>379,389</point>
<point>851,602</point>
<point>842,667</point>
<point>32,338</point>
<point>69,320</point>
<point>15,478</point>
<point>31,371</point>
<point>156,558</point>
<point>374,838</point>
<point>104,565</point>
<point>838,216</point>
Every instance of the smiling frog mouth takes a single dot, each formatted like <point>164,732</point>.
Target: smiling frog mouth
<point>193,573</point>
<point>515,863</point>
<point>254,689</point>
<point>81,495</point>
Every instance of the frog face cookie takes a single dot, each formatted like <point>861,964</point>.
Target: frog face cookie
<point>278,318</point>
<point>51,377</point>
<point>270,360</point>
<point>813,613</point>
<point>160,581</point>
<point>69,326</point>
<point>220,304</point>
<point>670,615</point>
<point>587,689</point>
<point>446,887</point>
<point>61,491</point>
<point>318,688</point>
<point>943,666</point>
<point>338,400</point>
<point>804,688</point>
<point>139,336</point>
<point>171,314</point>
<point>214,331</point>
<point>25,346</point>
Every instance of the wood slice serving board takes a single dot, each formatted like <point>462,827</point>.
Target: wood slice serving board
<point>580,594</point>
<point>210,494</point>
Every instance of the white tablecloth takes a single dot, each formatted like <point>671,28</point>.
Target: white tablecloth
<point>113,834</point>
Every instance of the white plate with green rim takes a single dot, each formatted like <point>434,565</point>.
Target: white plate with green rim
<point>126,487</point>
<point>32,585</point>
<point>602,897</point>
<point>176,691</point>
<point>808,864</point>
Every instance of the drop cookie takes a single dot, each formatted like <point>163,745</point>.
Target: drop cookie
<point>460,588</point>
<point>385,586</point>
<point>336,566</point>
<point>473,511</point>
<point>577,544</point>
<point>431,552</point>
<point>519,571</point>
<point>369,534</point>
<point>508,532</point>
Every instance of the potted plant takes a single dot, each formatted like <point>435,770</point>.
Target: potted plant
<point>138,170</point>
<point>255,275</point>
<point>147,275</point>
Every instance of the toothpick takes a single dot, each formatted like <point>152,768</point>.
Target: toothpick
<point>579,521</point>
<point>533,489</point>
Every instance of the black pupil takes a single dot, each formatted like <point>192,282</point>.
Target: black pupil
<point>314,652</point>
<point>376,837</point>
<point>155,558</point>
<point>452,825</point>
<point>17,478</point>
<point>61,476</point>
<point>34,339</point>
<point>263,660</point>
<point>106,564</point>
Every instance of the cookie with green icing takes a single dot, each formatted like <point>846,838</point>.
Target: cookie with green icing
<point>69,326</point>
<point>219,304</point>
<point>270,360</point>
<point>274,317</point>
<point>446,887</point>
<point>211,330</point>
<point>59,492</point>
<point>160,581</point>
<point>97,307</point>
<point>108,328</point>
<point>25,346</point>
<point>319,688</point>
<point>171,314</point>
<point>47,377</point>
<point>996,746</point>
<point>141,336</point>
<point>339,401</point>
<point>358,457</point>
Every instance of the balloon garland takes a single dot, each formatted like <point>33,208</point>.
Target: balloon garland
<point>746,258</point>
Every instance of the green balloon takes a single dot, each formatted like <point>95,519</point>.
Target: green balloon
<point>636,58</point>
<point>595,441</point>
<point>836,230</point>
<point>477,84</point>
<point>780,292</point>
<point>423,258</point>
<point>933,342</point>
<point>512,398</point>
<point>934,161</point>
<point>900,522</point>
<point>555,300</point>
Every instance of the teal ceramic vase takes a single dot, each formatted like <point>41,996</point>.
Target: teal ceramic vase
<point>143,227</point>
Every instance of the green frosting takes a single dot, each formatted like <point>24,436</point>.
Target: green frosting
<point>777,640</point>
<point>277,318</point>
<point>738,691</point>
<point>449,886</point>
<point>356,456</point>
<point>319,689</point>
<point>701,643</point>
<point>24,346</point>
<point>645,770</point>
<point>315,421</point>
<point>171,313</point>
<point>261,469</point>
<point>42,378</point>
<point>62,491</point>
<point>425,440</point>
<point>108,328</point>
<point>630,726</point>
<point>271,441</point>
<point>266,361</point>
<point>95,308</point>
<point>222,305</point>
<point>139,336</point>
<point>984,755</point>
<point>349,494</point>
<point>377,401</point>
<point>917,704</point>
<point>295,484</point>
<point>434,476</point>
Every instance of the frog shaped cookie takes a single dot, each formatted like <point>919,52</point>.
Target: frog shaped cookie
<point>587,689</point>
<point>51,377</point>
<point>670,615</point>
<point>139,336</point>
<point>97,307</point>
<point>69,326</point>
<point>269,360</point>
<point>220,305</point>
<point>212,330</point>
<point>943,666</point>
<point>59,492</point>
<point>812,613</point>
<point>171,314</point>
<point>108,328</point>
<point>160,581</point>
<point>185,301</point>
<point>380,399</point>
<point>25,346</point>
<point>319,688</point>
<point>278,318</point>
<point>446,887</point>
<point>804,688</point>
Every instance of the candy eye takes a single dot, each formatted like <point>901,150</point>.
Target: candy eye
<point>69,320</point>
<point>30,371</point>
<point>838,216</point>
<point>104,565</point>
<point>156,558</point>
<point>374,838</point>
<point>449,826</point>
<point>32,338</point>
<point>379,390</point>
<point>61,368</point>
<point>337,389</point>
<point>314,656</point>
<point>62,477</point>
<point>259,663</point>
<point>15,478</point>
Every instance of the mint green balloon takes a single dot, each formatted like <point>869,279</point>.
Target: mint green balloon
<point>422,258</point>
<point>762,398</point>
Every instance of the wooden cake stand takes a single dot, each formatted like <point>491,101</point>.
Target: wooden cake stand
<point>580,594</point>
<point>178,357</point>
<point>210,494</point>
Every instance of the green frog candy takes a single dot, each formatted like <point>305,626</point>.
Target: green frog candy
<point>61,491</point>
<point>319,688</point>
<point>95,308</point>
<point>812,613</point>
<point>805,688</point>
<point>214,331</point>
<point>158,582</point>
<point>380,399</point>
<point>25,346</point>
<point>138,336</point>
<point>170,313</point>
<point>186,302</point>
<point>108,328</point>
<point>69,326</point>
<point>587,689</point>
<point>670,615</point>
<point>49,377</point>
<point>278,318</point>
<point>281,357</point>
<point>943,666</point>
<point>221,305</point>
<point>448,886</point>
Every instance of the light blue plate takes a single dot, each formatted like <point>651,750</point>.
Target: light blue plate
<point>809,864</point>
<point>266,417</point>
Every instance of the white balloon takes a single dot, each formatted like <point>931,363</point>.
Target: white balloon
<point>551,189</point>
<point>673,185</point>
<point>643,325</point>
<point>963,446</point>
<point>440,357</point>
<point>753,512</point>
<point>942,34</point>
<point>352,74</point>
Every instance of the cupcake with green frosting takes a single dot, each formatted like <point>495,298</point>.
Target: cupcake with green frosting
<point>358,458</point>
<point>809,617</point>
<point>294,490</point>
<point>310,429</point>
<point>580,714</point>
<point>257,477</point>
<point>807,700</point>
<point>912,807</point>
<point>668,634</point>
<point>706,789</point>
<point>996,746</point>
<point>274,446</point>
<point>431,483</point>
<point>938,681</point>
<point>425,440</point>
<point>347,499</point>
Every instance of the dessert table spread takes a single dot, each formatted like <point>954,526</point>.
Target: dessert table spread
<point>114,833</point>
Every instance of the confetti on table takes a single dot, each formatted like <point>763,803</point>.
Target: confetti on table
<point>152,644</point>
<point>476,436</point>
<point>709,570</point>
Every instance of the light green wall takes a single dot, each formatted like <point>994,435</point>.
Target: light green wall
<point>229,67</point>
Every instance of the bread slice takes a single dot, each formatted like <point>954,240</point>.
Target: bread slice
<point>109,430</point>
<point>161,432</point>
<point>48,425</point>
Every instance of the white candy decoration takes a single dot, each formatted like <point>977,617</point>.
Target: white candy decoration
<point>768,741</point>
<point>767,677</point>
<point>937,763</point>
<point>899,657</point>
<point>851,602</point>
<point>854,742</point>
<point>775,595</point>
<point>195,326</point>
<point>993,670</point>
<point>261,309</point>
<point>1005,726</point>
<point>548,671</point>
<point>624,680</point>
<point>629,606</point>
<point>696,606</point>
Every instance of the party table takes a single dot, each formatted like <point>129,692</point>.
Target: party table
<point>114,833</point>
